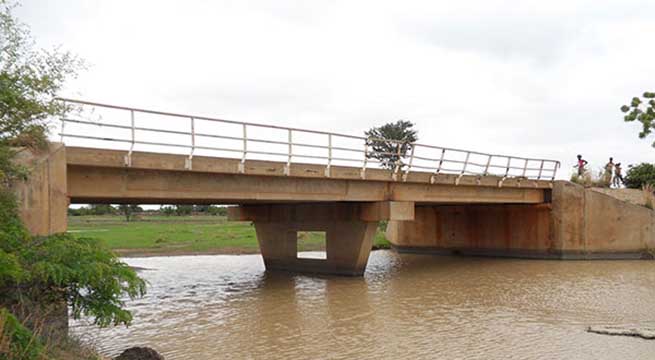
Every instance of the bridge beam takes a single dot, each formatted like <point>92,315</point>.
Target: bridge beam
<point>349,231</point>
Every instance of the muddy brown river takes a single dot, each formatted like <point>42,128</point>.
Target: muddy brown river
<point>405,307</point>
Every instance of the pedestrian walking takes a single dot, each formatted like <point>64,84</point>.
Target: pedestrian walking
<point>581,165</point>
<point>618,176</point>
<point>609,169</point>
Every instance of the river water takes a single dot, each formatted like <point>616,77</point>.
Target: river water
<point>405,307</point>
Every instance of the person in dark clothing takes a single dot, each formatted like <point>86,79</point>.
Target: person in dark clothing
<point>618,176</point>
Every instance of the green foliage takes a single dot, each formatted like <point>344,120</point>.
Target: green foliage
<point>129,210</point>
<point>16,341</point>
<point>82,271</point>
<point>642,110</point>
<point>167,210</point>
<point>640,175</point>
<point>48,270</point>
<point>29,81</point>
<point>217,210</point>
<point>390,153</point>
<point>183,210</point>
<point>90,276</point>
<point>93,209</point>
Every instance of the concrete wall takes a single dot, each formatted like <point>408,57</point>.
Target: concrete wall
<point>42,199</point>
<point>579,223</point>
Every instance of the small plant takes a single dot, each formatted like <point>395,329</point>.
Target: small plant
<point>587,179</point>
<point>16,341</point>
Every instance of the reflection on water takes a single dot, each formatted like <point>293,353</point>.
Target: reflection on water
<point>406,306</point>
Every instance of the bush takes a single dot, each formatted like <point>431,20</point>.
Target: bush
<point>640,175</point>
<point>16,341</point>
<point>81,270</point>
<point>588,179</point>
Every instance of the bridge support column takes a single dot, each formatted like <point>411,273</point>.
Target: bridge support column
<point>349,231</point>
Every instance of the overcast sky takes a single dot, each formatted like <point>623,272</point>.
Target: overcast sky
<point>530,78</point>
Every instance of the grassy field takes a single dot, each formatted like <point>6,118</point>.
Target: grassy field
<point>178,235</point>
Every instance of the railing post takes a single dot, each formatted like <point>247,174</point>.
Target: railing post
<point>541,169</point>
<point>242,164</point>
<point>509,162</point>
<point>486,168</point>
<point>394,176</point>
<point>287,169</point>
<point>189,162</point>
<point>432,178</point>
<point>329,163</point>
<point>466,162</point>
<point>525,168</point>
<point>411,160</point>
<point>128,158</point>
<point>557,165</point>
<point>63,124</point>
<point>363,172</point>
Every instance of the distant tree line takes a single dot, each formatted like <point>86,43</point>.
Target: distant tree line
<point>130,210</point>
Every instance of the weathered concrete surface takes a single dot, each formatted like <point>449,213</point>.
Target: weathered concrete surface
<point>633,196</point>
<point>91,157</point>
<point>579,224</point>
<point>100,176</point>
<point>367,211</point>
<point>348,238</point>
<point>42,199</point>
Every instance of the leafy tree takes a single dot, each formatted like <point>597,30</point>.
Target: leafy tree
<point>101,209</point>
<point>217,210</point>
<point>201,208</point>
<point>640,175</point>
<point>642,110</point>
<point>129,210</point>
<point>390,153</point>
<point>29,81</point>
<point>35,270</point>
<point>167,210</point>
<point>183,210</point>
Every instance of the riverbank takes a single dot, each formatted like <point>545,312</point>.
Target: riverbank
<point>156,235</point>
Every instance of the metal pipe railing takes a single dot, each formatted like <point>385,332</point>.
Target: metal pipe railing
<point>407,156</point>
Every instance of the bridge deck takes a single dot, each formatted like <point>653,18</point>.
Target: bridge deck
<point>100,175</point>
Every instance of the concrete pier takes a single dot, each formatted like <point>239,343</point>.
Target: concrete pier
<point>349,231</point>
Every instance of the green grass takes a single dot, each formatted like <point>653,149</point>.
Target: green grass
<point>161,235</point>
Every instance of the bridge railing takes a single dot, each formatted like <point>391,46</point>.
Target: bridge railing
<point>94,123</point>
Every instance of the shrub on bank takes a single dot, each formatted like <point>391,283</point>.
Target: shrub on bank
<point>640,175</point>
<point>588,179</point>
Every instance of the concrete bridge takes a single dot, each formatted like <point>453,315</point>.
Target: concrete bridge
<point>436,199</point>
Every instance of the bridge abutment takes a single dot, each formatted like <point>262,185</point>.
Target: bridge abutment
<point>43,198</point>
<point>579,223</point>
<point>349,232</point>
